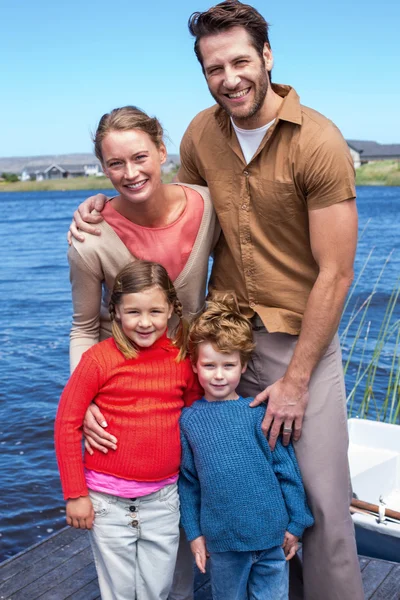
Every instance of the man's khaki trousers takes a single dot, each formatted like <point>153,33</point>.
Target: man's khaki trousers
<point>330,563</point>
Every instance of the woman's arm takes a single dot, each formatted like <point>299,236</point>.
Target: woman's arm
<point>86,288</point>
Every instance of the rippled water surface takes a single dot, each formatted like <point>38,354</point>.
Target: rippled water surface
<point>35,320</point>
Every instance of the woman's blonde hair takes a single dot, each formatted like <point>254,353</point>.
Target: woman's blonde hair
<point>125,119</point>
<point>136,277</point>
<point>222,325</point>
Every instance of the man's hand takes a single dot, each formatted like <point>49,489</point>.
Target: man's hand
<point>287,402</point>
<point>95,436</point>
<point>199,551</point>
<point>82,217</point>
<point>80,513</point>
<point>290,545</point>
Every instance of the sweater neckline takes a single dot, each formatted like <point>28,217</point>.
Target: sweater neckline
<point>203,402</point>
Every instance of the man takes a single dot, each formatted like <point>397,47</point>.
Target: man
<point>282,183</point>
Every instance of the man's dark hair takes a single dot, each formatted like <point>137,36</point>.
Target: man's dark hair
<point>224,16</point>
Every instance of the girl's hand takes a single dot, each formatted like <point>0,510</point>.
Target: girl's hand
<point>95,436</point>
<point>80,513</point>
<point>290,545</point>
<point>199,551</point>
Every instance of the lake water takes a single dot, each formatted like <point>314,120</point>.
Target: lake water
<point>36,313</point>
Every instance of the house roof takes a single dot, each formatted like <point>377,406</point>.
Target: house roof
<point>369,149</point>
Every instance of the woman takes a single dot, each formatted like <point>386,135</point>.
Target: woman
<point>173,224</point>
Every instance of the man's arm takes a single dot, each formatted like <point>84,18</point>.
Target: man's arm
<point>83,220</point>
<point>333,237</point>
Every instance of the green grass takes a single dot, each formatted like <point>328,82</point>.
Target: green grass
<point>386,406</point>
<point>385,172</point>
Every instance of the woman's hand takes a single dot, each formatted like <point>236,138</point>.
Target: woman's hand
<point>80,513</point>
<point>83,217</point>
<point>199,551</point>
<point>290,545</point>
<point>93,431</point>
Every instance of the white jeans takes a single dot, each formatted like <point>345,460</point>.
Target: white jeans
<point>135,543</point>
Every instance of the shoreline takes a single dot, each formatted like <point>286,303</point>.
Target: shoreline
<point>381,173</point>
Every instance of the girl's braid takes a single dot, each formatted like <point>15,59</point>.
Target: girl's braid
<point>178,308</point>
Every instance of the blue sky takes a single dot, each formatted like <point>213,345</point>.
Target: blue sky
<point>65,64</point>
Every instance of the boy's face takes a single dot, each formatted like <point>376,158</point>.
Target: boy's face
<point>219,374</point>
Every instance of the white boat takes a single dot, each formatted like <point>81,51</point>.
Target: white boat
<point>374,456</point>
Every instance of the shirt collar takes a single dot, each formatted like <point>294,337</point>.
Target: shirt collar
<point>290,109</point>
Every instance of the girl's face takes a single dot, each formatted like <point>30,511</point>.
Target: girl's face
<point>133,162</point>
<point>144,316</point>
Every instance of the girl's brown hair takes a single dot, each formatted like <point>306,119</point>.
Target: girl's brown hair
<point>136,277</point>
<point>222,325</point>
<point>125,119</point>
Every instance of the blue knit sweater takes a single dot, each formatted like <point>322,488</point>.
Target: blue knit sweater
<point>233,489</point>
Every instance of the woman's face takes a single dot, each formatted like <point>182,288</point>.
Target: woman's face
<point>133,162</point>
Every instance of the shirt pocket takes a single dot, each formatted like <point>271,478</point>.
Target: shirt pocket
<point>275,201</point>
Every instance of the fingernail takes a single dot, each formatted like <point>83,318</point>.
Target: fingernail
<point>97,231</point>
<point>114,439</point>
<point>104,423</point>
<point>105,450</point>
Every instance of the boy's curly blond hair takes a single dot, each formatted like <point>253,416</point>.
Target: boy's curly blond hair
<point>222,325</point>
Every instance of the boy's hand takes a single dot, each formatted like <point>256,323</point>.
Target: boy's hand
<point>290,545</point>
<point>80,513</point>
<point>199,551</point>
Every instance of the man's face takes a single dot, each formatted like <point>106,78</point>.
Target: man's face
<point>236,75</point>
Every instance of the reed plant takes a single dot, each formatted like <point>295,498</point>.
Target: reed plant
<point>374,357</point>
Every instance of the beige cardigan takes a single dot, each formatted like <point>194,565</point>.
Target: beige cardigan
<point>95,263</point>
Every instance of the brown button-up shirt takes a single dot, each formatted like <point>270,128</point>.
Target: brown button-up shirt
<point>264,255</point>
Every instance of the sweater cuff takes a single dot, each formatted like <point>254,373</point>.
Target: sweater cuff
<point>296,529</point>
<point>192,532</point>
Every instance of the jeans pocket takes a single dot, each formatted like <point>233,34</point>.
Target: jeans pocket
<point>170,497</point>
<point>101,506</point>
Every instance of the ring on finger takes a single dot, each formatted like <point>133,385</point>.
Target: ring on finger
<point>287,430</point>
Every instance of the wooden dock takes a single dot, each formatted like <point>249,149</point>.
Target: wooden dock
<point>62,568</point>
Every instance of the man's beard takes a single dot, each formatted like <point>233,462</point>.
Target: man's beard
<point>260,87</point>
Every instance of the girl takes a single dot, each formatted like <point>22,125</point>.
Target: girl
<point>140,380</point>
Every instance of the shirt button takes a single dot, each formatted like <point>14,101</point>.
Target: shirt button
<point>244,206</point>
<point>135,523</point>
<point>132,508</point>
<point>252,304</point>
<point>246,173</point>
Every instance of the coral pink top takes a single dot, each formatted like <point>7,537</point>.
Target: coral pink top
<point>159,244</point>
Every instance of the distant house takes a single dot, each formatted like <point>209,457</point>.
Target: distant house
<point>61,167</point>
<point>365,151</point>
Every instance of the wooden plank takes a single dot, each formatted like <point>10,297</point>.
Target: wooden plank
<point>47,564</point>
<point>73,586</point>
<point>26,558</point>
<point>56,577</point>
<point>390,588</point>
<point>373,575</point>
<point>89,592</point>
<point>363,561</point>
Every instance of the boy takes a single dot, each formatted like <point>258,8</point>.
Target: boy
<point>241,504</point>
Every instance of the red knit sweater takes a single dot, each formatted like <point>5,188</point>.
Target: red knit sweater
<point>141,400</point>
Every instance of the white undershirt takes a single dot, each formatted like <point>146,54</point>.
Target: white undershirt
<point>250,139</point>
